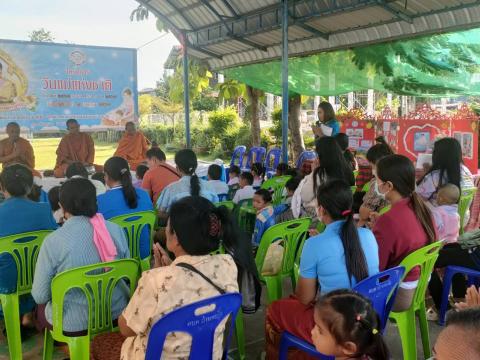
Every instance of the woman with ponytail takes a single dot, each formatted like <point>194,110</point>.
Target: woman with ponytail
<point>407,227</point>
<point>338,258</point>
<point>123,198</point>
<point>189,184</point>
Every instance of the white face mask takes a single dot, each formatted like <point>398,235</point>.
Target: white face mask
<point>377,191</point>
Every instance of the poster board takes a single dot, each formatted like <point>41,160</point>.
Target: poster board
<point>359,128</point>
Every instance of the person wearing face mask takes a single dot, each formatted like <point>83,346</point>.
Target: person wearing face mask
<point>338,258</point>
<point>372,201</point>
<point>407,227</point>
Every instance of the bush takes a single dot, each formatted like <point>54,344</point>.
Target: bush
<point>276,129</point>
<point>222,119</point>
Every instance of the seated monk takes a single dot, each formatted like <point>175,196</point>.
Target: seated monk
<point>17,150</point>
<point>133,146</point>
<point>74,147</point>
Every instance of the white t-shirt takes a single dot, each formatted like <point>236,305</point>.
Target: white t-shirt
<point>218,186</point>
<point>242,194</point>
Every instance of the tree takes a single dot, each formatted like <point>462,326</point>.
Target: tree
<point>253,104</point>
<point>41,35</point>
<point>294,125</point>
<point>231,90</point>
<point>141,13</point>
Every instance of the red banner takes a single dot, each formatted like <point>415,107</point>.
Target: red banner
<point>359,128</point>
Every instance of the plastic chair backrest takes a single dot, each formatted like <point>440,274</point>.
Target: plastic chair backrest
<point>24,249</point>
<point>306,155</point>
<point>222,197</point>
<point>228,204</point>
<point>199,320</point>
<point>238,153</point>
<point>292,233</point>
<point>381,289</point>
<point>272,159</point>
<point>277,184</point>
<point>97,282</point>
<point>385,209</point>
<point>463,205</point>
<point>425,258</point>
<point>288,340</point>
<point>255,154</point>
<point>133,224</point>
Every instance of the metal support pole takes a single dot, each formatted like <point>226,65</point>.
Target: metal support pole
<point>186,93</point>
<point>285,82</point>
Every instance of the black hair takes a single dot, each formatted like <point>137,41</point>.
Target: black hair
<point>447,159</point>
<point>381,140</point>
<point>200,226</point>
<point>76,169</point>
<point>399,170</point>
<point>129,123</point>
<point>78,197</point>
<point>186,161</point>
<point>247,176</point>
<point>292,183</point>
<point>54,198</point>
<point>234,169</point>
<point>342,141</point>
<point>282,168</point>
<point>17,180</point>
<point>157,153</point>
<point>329,112</point>
<point>378,151</point>
<point>332,162</point>
<point>215,172</point>
<point>117,169</point>
<point>258,168</point>
<point>35,193</point>
<point>12,123</point>
<point>350,317</point>
<point>294,172</point>
<point>265,194</point>
<point>141,170</point>
<point>71,121</point>
<point>99,176</point>
<point>336,198</point>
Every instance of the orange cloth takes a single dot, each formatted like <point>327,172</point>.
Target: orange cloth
<point>156,179</point>
<point>72,148</point>
<point>26,156</point>
<point>133,148</point>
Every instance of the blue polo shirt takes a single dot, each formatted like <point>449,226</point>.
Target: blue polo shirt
<point>323,257</point>
<point>113,203</point>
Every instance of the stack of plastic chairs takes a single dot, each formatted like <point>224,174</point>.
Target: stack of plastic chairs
<point>255,154</point>
<point>271,161</point>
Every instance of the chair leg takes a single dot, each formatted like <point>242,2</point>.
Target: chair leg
<point>447,282</point>
<point>423,322</point>
<point>47,345</point>
<point>11,313</point>
<point>274,287</point>
<point>79,348</point>
<point>240,335</point>
<point>406,327</point>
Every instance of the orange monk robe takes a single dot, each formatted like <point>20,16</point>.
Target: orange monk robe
<point>25,157</point>
<point>74,148</point>
<point>133,148</point>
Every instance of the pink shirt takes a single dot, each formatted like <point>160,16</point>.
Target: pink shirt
<point>447,222</point>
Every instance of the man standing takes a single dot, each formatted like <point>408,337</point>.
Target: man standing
<point>15,149</point>
<point>74,147</point>
<point>133,146</point>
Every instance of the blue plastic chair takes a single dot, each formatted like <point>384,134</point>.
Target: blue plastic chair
<point>238,153</point>
<point>306,155</point>
<point>288,340</point>
<point>255,154</point>
<point>222,197</point>
<point>450,271</point>
<point>200,326</point>
<point>271,161</point>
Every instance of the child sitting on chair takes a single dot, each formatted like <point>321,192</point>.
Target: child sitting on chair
<point>446,215</point>
<point>246,190</point>
<point>282,169</point>
<point>262,202</point>
<point>258,172</point>
<point>139,174</point>
<point>214,176</point>
<point>233,174</point>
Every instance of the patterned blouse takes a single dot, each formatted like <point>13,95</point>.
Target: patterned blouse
<point>165,289</point>
<point>372,201</point>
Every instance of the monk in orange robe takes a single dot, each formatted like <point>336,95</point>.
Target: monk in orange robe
<point>17,150</point>
<point>76,146</point>
<point>133,146</point>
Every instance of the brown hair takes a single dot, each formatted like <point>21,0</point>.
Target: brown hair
<point>329,112</point>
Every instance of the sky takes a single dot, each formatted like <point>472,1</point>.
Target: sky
<point>91,22</point>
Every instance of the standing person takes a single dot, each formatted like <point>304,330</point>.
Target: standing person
<point>133,146</point>
<point>326,117</point>
<point>123,198</point>
<point>76,146</point>
<point>159,174</point>
<point>16,150</point>
<point>338,258</point>
<point>407,227</point>
<point>84,239</point>
<point>214,175</point>
<point>447,168</point>
<point>18,215</point>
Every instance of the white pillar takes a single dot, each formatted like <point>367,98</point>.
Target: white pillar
<point>371,102</point>
<point>270,104</point>
<point>404,106</point>
<point>389,100</point>
<point>221,79</point>
<point>331,100</point>
<point>351,100</point>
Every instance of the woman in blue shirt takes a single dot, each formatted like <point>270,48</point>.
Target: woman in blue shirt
<point>336,259</point>
<point>326,116</point>
<point>123,198</point>
<point>188,185</point>
<point>18,214</point>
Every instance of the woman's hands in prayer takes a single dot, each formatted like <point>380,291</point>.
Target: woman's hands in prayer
<point>373,219</point>
<point>472,299</point>
<point>317,131</point>
<point>160,256</point>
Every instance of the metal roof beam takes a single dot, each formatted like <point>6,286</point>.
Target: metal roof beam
<point>177,9</point>
<point>311,29</point>
<point>395,11</point>
<point>204,51</point>
<point>230,8</point>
